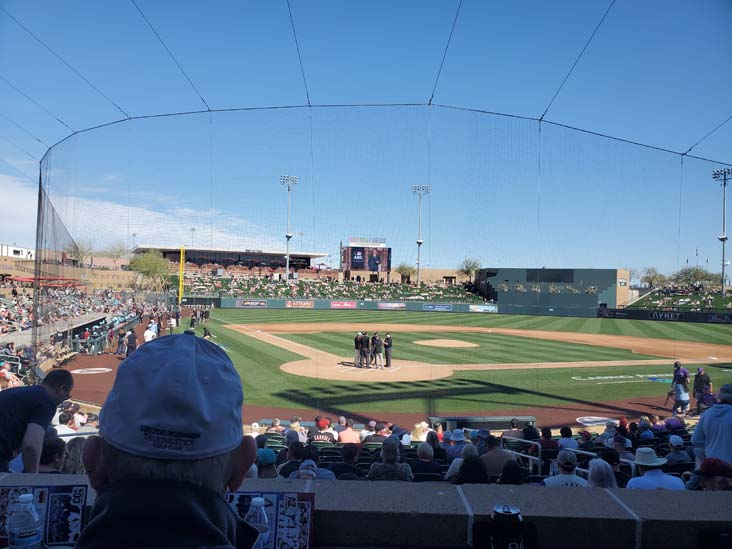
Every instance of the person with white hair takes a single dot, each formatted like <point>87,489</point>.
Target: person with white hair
<point>601,475</point>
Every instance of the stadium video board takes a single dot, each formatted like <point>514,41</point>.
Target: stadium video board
<point>366,258</point>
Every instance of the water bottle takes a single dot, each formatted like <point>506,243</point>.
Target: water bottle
<point>258,518</point>
<point>24,524</point>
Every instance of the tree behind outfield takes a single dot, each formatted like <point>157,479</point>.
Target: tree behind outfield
<point>153,266</point>
<point>405,270</point>
<point>116,251</point>
<point>468,268</point>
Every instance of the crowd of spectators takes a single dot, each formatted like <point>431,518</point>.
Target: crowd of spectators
<point>691,297</point>
<point>235,284</point>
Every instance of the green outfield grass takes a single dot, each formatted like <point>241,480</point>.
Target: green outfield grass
<point>492,348</point>
<point>682,331</point>
<point>467,391</point>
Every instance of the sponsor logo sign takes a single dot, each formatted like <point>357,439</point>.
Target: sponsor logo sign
<point>445,307</point>
<point>342,304</point>
<point>483,308</point>
<point>721,319</point>
<point>391,306</point>
<point>297,304</point>
<point>88,371</point>
<point>665,315</point>
<point>627,378</point>
<point>251,303</point>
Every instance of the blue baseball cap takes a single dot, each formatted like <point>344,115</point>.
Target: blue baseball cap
<point>177,397</point>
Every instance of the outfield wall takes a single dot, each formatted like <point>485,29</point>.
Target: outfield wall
<point>343,305</point>
<point>666,316</point>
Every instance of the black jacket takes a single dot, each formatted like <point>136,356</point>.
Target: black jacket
<point>162,513</point>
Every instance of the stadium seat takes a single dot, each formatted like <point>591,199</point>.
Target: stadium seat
<point>428,477</point>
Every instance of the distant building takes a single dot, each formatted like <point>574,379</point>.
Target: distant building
<point>17,252</point>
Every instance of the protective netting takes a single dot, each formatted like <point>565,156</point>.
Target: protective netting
<point>508,191</point>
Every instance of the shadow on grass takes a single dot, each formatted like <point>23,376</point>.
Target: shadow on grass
<point>333,399</point>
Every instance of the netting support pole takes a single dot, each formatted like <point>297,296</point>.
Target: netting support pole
<point>181,269</point>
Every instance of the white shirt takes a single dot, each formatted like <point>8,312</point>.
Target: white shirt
<point>149,335</point>
<point>64,430</point>
<point>564,480</point>
<point>655,479</point>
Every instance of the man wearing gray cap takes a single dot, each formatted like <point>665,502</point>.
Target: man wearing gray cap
<point>170,444</point>
<point>567,461</point>
<point>712,436</point>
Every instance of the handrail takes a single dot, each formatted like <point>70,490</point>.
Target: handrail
<point>531,458</point>
<point>594,454</point>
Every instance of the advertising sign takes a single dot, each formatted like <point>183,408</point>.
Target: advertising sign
<point>251,303</point>
<point>391,306</point>
<point>721,318</point>
<point>483,308</point>
<point>445,307</point>
<point>366,258</point>
<point>297,304</point>
<point>665,315</point>
<point>342,304</point>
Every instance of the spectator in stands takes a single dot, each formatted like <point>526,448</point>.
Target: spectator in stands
<point>712,436</point>
<point>446,441</point>
<point>368,430</point>
<point>323,434</point>
<point>512,473</point>
<point>601,475</point>
<point>675,424</point>
<point>65,424</point>
<point>468,451</point>
<point>634,433</point>
<point>457,444</point>
<point>169,447</point>
<point>348,435</point>
<point>296,454</point>
<point>389,468</point>
<point>295,427</point>
<point>495,457</point>
<point>260,441</point>
<point>480,439</point>
<point>254,431</point>
<point>514,430</point>
<point>341,426</point>
<point>420,431</point>
<point>307,471</point>
<point>653,478</point>
<point>472,471</point>
<point>677,454</point>
<point>91,425</point>
<point>530,432</point>
<point>567,462</point>
<point>437,450</point>
<point>266,463</point>
<point>439,431</point>
<point>72,463</point>
<point>380,434</point>
<point>712,475</point>
<point>607,436</point>
<point>612,457</point>
<point>586,443</point>
<point>567,441</point>
<point>276,427</point>
<point>657,426</point>
<point>546,441</point>
<point>348,466</point>
<point>425,462</point>
<point>623,447</point>
<point>25,412</point>
<point>645,431</point>
<point>52,455</point>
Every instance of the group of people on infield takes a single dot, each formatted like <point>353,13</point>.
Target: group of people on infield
<point>372,351</point>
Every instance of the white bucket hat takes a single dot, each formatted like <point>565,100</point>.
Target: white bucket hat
<point>648,457</point>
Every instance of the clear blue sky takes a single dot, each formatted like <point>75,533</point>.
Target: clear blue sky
<point>656,72</point>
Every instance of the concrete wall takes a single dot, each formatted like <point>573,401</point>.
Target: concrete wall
<point>400,514</point>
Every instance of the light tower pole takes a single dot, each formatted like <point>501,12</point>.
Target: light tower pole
<point>288,181</point>
<point>420,190</point>
<point>723,175</point>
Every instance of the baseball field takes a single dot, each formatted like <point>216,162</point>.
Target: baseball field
<point>464,363</point>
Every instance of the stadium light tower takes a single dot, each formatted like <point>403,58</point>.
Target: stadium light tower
<point>420,190</point>
<point>289,182</point>
<point>723,175</point>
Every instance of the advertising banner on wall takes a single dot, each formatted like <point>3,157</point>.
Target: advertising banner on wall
<point>342,304</point>
<point>483,308</point>
<point>391,306</point>
<point>297,304</point>
<point>665,315</point>
<point>720,318</point>
<point>251,303</point>
<point>444,307</point>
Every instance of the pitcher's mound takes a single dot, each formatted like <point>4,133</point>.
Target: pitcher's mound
<point>445,343</point>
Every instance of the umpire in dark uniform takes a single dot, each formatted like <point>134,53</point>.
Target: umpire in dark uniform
<point>387,349</point>
<point>365,351</point>
<point>357,348</point>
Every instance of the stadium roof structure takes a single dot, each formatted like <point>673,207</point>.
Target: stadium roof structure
<point>311,255</point>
